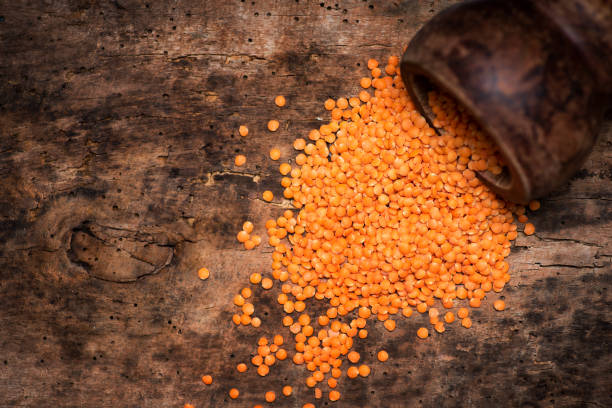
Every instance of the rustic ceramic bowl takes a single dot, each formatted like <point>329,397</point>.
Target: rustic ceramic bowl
<point>536,78</point>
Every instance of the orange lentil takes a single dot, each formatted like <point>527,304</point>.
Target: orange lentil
<point>499,305</point>
<point>311,382</point>
<point>203,273</point>
<point>449,317</point>
<point>257,360</point>
<point>246,293</point>
<point>266,283</point>
<point>255,278</point>
<point>243,130</point>
<point>247,226</point>
<point>207,379</point>
<point>308,405</point>
<point>466,322</point>
<point>421,307</point>
<point>299,144</point>
<point>422,332</point>
<point>334,395</point>
<point>287,390</point>
<point>273,125</point>
<point>269,360</point>
<point>263,350</point>
<point>240,160</point>
<point>268,195</point>
<point>318,393</point>
<point>364,370</point>
<point>280,100</point>
<point>462,313</point>
<point>234,393</point>
<point>241,367</point>
<point>263,370</point>
<point>275,154</point>
<point>248,308</point>
<point>284,168</point>
<point>439,327</point>
<point>534,205</point>
<point>238,300</point>
<point>383,355</point>
<point>353,356</point>
<point>389,324</point>
<point>255,322</point>
<point>365,82</point>
<point>242,236</point>
<point>270,396</point>
<point>529,229</point>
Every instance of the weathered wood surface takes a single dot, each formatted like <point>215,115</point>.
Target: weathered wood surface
<point>118,131</point>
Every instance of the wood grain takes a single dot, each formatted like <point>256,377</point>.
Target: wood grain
<point>118,126</point>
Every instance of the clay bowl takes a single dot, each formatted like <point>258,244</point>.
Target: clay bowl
<point>531,88</point>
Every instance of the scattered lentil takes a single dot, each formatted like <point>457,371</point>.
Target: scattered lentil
<point>275,154</point>
<point>279,100</point>
<point>243,130</point>
<point>203,273</point>
<point>499,305</point>
<point>240,160</point>
<point>273,125</point>
<point>268,195</point>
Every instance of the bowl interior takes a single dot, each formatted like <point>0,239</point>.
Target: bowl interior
<point>419,86</point>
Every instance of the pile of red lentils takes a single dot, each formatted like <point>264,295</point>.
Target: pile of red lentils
<point>389,217</point>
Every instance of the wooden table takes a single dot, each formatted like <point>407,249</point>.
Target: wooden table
<point>119,128</point>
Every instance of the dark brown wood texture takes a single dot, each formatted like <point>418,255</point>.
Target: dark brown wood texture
<point>118,124</point>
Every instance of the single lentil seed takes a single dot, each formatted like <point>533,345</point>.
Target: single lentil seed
<point>280,101</point>
<point>203,273</point>
<point>273,125</point>
<point>243,130</point>
<point>499,305</point>
<point>240,160</point>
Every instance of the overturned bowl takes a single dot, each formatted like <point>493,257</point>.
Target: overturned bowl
<point>536,78</point>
